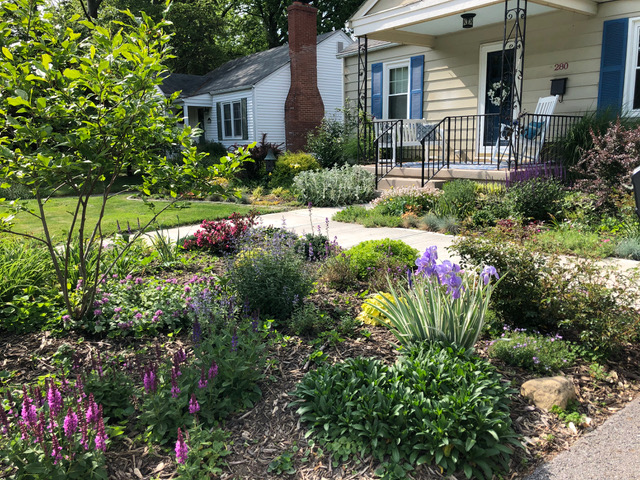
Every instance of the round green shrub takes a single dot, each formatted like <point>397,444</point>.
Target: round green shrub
<point>270,276</point>
<point>289,165</point>
<point>458,199</point>
<point>366,257</point>
<point>437,406</point>
<point>536,199</point>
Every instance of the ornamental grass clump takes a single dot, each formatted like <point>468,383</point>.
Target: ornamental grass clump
<point>441,303</point>
<point>54,432</point>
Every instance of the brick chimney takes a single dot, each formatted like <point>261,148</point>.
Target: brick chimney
<point>303,109</point>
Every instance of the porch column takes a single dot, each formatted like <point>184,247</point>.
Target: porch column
<point>363,126</point>
<point>185,115</point>
<point>515,26</point>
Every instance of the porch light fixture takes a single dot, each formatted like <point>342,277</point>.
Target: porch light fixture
<point>209,120</point>
<point>467,20</point>
<point>270,161</point>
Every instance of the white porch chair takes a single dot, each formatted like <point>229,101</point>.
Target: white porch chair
<point>412,132</point>
<point>532,135</point>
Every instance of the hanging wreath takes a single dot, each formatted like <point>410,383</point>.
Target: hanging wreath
<point>498,93</point>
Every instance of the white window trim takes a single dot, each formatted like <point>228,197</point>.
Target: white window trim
<point>223,118</point>
<point>385,87</point>
<point>633,40</point>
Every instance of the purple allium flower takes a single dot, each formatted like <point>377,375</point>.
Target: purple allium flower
<point>66,319</point>
<point>138,316</point>
<point>101,436</point>
<point>213,371</point>
<point>117,309</point>
<point>487,272</point>
<point>193,404</point>
<point>54,397</point>
<point>70,423</point>
<point>182,451</point>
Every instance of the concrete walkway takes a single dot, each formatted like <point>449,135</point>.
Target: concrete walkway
<point>346,234</point>
<point>611,452</point>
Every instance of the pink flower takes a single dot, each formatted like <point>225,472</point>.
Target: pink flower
<point>182,451</point>
<point>193,404</point>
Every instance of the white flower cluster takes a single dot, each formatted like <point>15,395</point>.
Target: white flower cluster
<point>498,93</point>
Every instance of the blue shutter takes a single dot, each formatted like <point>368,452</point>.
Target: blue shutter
<point>416,85</point>
<point>376,90</point>
<point>612,63</point>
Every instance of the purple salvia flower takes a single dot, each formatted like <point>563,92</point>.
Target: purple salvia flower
<point>54,397</point>
<point>182,451</point>
<point>213,370</point>
<point>101,436</point>
<point>203,379</point>
<point>70,423</point>
<point>29,414</point>
<point>56,450</point>
<point>234,343</point>
<point>4,420</point>
<point>175,390</point>
<point>410,277</point>
<point>197,332</point>
<point>193,404</point>
<point>150,379</point>
<point>92,410</point>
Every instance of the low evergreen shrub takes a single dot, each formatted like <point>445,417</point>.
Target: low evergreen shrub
<point>537,198</point>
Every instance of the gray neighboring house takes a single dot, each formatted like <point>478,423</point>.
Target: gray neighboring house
<point>245,98</point>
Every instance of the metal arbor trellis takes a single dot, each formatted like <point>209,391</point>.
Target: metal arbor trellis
<point>515,27</point>
<point>363,125</point>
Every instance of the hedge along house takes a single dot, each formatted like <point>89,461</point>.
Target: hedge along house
<point>245,98</point>
<point>454,84</point>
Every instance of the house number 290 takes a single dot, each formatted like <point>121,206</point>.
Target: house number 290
<point>561,66</point>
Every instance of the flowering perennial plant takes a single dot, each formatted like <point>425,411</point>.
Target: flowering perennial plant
<point>137,306</point>
<point>221,236</point>
<point>441,303</point>
<point>55,432</point>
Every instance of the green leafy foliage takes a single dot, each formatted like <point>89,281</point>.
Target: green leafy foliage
<point>435,405</point>
<point>269,275</point>
<point>406,200</point>
<point>369,256</point>
<point>532,351</point>
<point>207,449</point>
<point>458,199</point>
<point>536,198</point>
<point>106,116</point>
<point>289,165</point>
<point>517,299</point>
<point>334,142</point>
<point>335,187</point>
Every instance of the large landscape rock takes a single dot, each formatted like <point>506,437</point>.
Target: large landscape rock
<point>549,391</point>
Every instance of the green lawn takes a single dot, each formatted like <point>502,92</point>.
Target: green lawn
<point>119,209</point>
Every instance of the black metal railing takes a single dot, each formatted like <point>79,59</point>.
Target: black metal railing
<point>465,140</point>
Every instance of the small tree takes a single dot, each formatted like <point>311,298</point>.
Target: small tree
<point>77,111</point>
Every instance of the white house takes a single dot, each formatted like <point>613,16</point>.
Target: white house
<point>245,98</point>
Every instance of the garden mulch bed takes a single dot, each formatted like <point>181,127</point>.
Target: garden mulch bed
<point>262,434</point>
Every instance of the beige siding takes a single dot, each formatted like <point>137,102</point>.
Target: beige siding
<point>329,77</point>
<point>452,66</point>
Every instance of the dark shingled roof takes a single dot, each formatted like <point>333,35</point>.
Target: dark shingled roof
<point>352,49</point>
<point>180,81</point>
<point>236,74</point>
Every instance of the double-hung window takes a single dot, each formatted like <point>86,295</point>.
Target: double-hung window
<point>632,75</point>
<point>232,120</point>
<point>398,92</point>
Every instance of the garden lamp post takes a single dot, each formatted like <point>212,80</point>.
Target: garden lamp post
<point>270,161</point>
<point>635,179</point>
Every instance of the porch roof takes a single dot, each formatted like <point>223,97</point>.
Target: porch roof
<point>421,22</point>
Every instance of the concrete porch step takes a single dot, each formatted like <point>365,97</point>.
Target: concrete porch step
<point>407,176</point>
